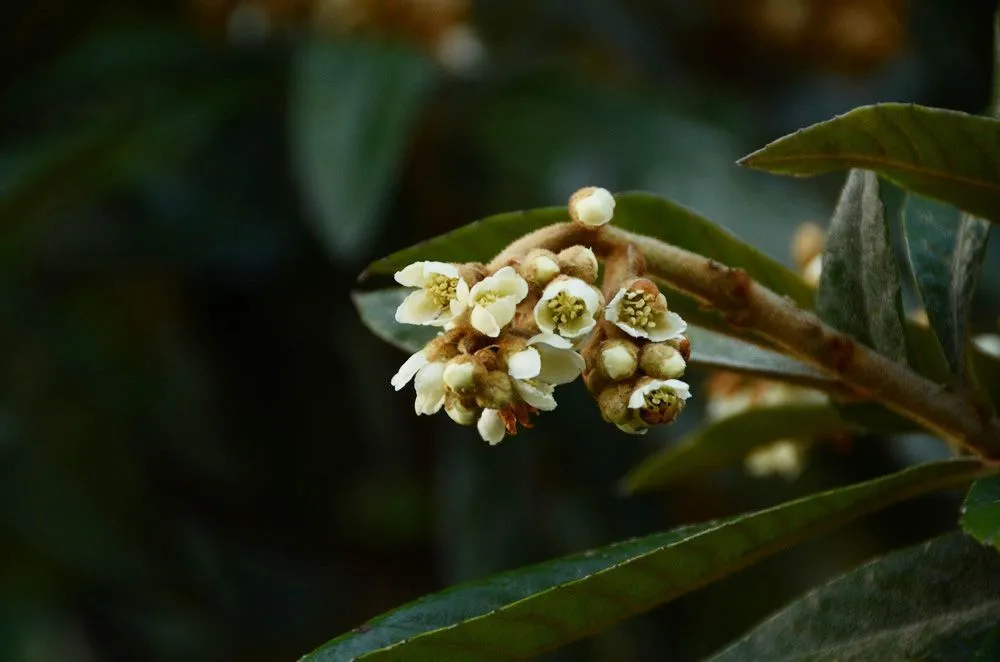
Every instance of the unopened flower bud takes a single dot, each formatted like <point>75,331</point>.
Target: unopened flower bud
<point>617,359</point>
<point>813,270</point>
<point>592,207</point>
<point>807,243</point>
<point>613,403</point>
<point>496,390</point>
<point>491,427</point>
<point>540,266</point>
<point>659,360</point>
<point>461,413</point>
<point>460,374</point>
<point>579,262</point>
<point>682,345</point>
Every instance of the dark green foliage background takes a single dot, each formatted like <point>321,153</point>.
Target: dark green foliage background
<point>200,454</point>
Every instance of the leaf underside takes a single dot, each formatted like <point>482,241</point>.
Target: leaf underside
<point>939,601</point>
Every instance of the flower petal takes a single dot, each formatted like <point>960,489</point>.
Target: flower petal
<point>409,369</point>
<point>543,317</point>
<point>412,275</point>
<point>417,308</point>
<point>536,394</point>
<point>550,339</point>
<point>483,322</point>
<point>631,330</point>
<point>443,268</point>
<point>525,364</point>
<point>612,311</point>
<point>559,366</point>
<point>578,327</point>
<point>491,427</point>
<point>669,325</point>
<point>502,310</point>
<point>430,388</point>
<point>581,290</point>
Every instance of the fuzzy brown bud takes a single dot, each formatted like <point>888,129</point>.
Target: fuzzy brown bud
<point>682,345</point>
<point>613,403</point>
<point>463,373</point>
<point>539,267</point>
<point>579,262</point>
<point>592,207</point>
<point>496,390</point>
<point>662,361</point>
<point>460,410</point>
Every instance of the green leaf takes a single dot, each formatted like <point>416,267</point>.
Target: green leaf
<point>351,110</point>
<point>946,155</point>
<point>933,602</point>
<point>478,241</point>
<point>525,612</point>
<point>859,290</point>
<point>727,441</point>
<point>714,350</point>
<point>981,511</point>
<point>643,213</point>
<point>377,310</point>
<point>946,249</point>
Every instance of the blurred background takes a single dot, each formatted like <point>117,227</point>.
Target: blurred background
<point>200,454</point>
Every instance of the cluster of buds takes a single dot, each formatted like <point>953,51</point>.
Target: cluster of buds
<point>511,335</point>
<point>637,358</point>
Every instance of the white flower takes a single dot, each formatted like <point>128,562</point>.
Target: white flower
<point>547,362</point>
<point>494,300</point>
<point>642,314</point>
<point>592,206</point>
<point>784,457</point>
<point>655,401</point>
<point>568,307</point>
<point>427,378</point>
<point>491,427</point>
<point>442,295</point>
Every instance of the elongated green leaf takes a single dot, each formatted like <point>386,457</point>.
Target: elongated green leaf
<point>981,511</point>
<point>478,241</point>
<point>525,612</point>
<point>714,350</point>
<point>943,154</point>
<point>859,290</point>
<point>946,249</point>
<point>937,601</point>
<point>726,442</point>
<point>377,311</point>
<point>643,213</point>
<point>351,110</point>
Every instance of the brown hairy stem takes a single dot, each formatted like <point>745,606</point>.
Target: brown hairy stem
<point>799,333</point>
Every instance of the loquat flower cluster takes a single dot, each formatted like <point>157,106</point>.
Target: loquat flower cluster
<point>511,335</point>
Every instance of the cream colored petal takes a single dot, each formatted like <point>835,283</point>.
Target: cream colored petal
<point>502,311</point>
<point>536,394</point>
<point>417,308</point>
<point>638,398</point>
<point>631,330</point>
<point>443,268</point>
<point>559,366</point>
<point>669,325</point>
<point>614,308</point>
<point>543,317</point>
<point>681,389</point>
<point>483,322</point>
<point>581,290</point>
<point>408,370</point>
<point>430,388</point>
<point>491,427</point>
<point>551,339</point>
<point>525,364</point>
<point>577,327</point>
<point>461,293</point>
<point>412,275</point>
